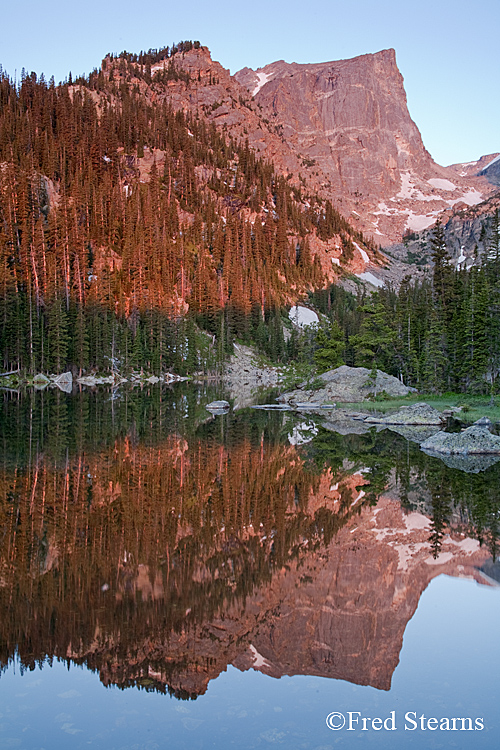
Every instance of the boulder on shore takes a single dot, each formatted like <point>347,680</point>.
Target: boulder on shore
<point>63,378</point>
<point>64,382</point>
<point>347,385</point>
<point>416,414</point>
<point>40,379</point>
<point>475,439</point>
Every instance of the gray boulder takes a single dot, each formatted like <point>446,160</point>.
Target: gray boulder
<point>416,414</point>
<point>484,422</point>
<point>64,378</point>
<point>218,407</point>
<point>473,440</point>
<point>41,379</point>
<point>347,385</point>
<point>64,382</point>
<point>89,380</point>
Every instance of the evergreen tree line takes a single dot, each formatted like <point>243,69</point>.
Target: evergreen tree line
<point>439,334</point>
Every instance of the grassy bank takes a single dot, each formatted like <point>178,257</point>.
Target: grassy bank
<point>473,407</point>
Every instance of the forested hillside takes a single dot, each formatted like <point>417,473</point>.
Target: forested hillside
<point>123,219</point>
<point>440,334</point>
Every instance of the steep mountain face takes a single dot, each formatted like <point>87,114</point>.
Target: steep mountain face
<point>247,190</point>
<point>492,171</point>
<point>348,120</point>
<point>350,116</point>
<point>224,100</point>
<point>154,184</point>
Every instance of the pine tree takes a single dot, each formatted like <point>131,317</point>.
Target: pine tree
<point>330,344</point>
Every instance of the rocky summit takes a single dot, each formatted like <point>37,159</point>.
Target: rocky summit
<point>348,121</point>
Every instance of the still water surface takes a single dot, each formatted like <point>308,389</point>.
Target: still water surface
<point>169,579</point>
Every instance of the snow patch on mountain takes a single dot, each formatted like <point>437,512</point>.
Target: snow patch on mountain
<point>370,278</point>
<point>472,197</point>
<point>493,161</point>
<point>262,80</point>
<point>303,316</point>
<point>418,222</point>
<point>442,184</point>
<point>409,191</point>
<point>364,254</point>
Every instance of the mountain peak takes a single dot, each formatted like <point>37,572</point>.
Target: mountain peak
<point>348,121</point>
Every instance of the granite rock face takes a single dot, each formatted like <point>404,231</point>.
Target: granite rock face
<point>350,114</point>
<point>349,120</point>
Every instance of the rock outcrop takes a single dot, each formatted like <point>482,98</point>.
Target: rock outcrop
<point>244,376</point>
<point>346,384</point>
<point>416,414</point>
<point>475,439</point>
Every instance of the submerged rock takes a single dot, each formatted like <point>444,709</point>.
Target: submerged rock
<point>416,414</point>
<point>475,439</point>
<point>41,379</point>
<point>218,407</point>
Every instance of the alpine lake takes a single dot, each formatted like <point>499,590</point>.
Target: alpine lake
<point>171,578</point>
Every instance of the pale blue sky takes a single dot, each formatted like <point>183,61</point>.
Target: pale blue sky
<point>447,50</point>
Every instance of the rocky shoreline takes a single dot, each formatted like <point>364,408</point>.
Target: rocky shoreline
<point>65,381</point>
<point>244,376</point>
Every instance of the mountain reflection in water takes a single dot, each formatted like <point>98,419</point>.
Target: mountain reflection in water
<point>157,545</point>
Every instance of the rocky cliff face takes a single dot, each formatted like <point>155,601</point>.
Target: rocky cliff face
<point>487,166</point>
<point>349,123</point>
<point>468,232</point>
<point>350,116</point>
